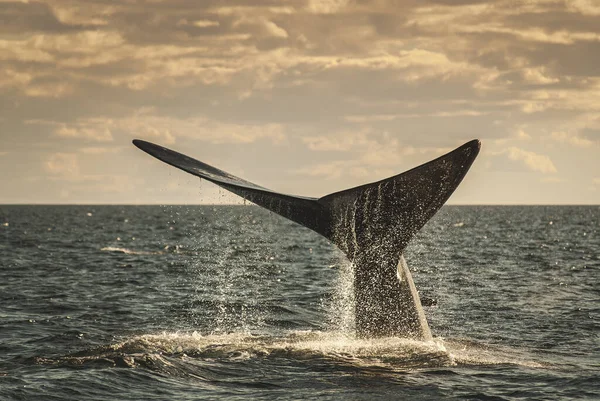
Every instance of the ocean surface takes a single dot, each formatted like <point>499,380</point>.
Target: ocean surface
<point>233,302</point>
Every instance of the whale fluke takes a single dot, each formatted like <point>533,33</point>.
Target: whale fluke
<point>372,224</point>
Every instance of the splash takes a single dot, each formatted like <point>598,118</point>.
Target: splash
<point>341,306</point>
<point>219,272</point>
<point>147,350</point>
<point>468,353</point>
<point>178,353</point>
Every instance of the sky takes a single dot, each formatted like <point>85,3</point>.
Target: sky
<point>303,97</point>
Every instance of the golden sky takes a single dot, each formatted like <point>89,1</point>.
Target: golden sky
<point>303,97</point>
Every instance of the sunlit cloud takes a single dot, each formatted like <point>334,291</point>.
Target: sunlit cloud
<point>143,123</point>
<point>519,136</point>
<point>339,142</point>
<point>66,169</point>
<point>204,23</point>
<point>368,155</point>
<point>63,164</point>
<point>534,161</point>
<point>574,140</point>
<point>326,6</point>
<point>99,151</point>
<point>589,7</point>
<point>86,130</point>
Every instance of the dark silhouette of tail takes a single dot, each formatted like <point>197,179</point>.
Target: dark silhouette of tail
<point>372,224</point>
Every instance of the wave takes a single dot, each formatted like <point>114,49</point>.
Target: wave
<point>166,249</point>
<point>128,251</point>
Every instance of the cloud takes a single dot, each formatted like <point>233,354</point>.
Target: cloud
<point>574,140</point>
<point>519,136</point>
<point>338,169</point>
<point>273,29</point>
<point>326,6</point>
<point>65,165</point>
<point>365,154</point>
<point>586,7</point>
<point>591,132</point>
<point>331,170</point>
<point>91,150</point>
<point>68,169</point>
<point>392,117</point>
<point>86,129</point>
<point>340,141</point>
<point>35,88</point>
<point>204,23</point>
<point>19,16</point>
<point>534,161</point>
<point>144,123</point>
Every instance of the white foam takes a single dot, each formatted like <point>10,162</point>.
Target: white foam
<point>128,251</point>
<point>392,352</point>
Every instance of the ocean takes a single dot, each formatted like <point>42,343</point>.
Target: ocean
<point>234,302</point>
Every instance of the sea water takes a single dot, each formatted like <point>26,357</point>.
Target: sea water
<point>234,302</point>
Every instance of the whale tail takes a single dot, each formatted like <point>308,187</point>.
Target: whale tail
<point>372,224</point>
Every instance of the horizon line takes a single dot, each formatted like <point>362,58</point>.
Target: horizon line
<point>252,204</point>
